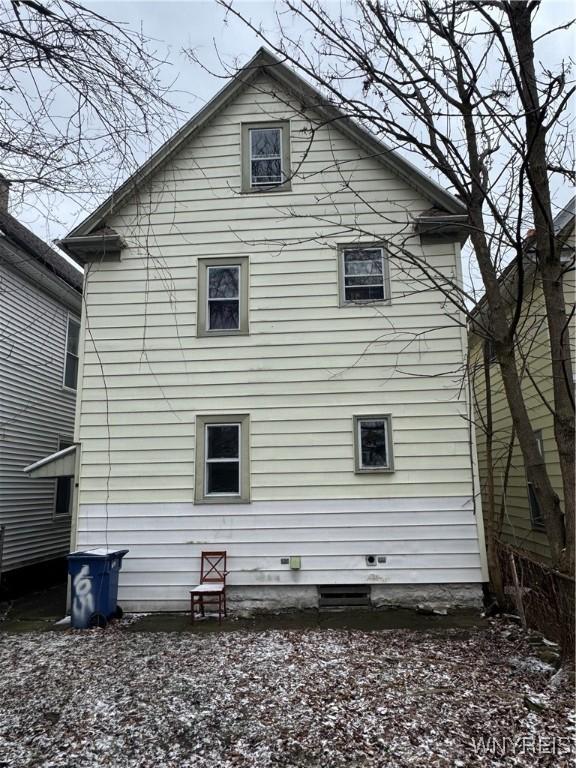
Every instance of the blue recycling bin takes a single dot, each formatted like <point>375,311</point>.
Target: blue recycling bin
<point>94,579</point>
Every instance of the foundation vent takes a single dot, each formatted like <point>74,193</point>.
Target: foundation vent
<point>344,596</point>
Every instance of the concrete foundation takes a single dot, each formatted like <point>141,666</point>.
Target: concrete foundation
<point>248,601</point>
<point>428,596</point>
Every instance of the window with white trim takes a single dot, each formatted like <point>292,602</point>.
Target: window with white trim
<point>373,443</point>
<point>223,312</point>
<point>63,494</point>
<point>363,275</point>
<point>222,458</point>
<point>266,156</point>
<point>72,345</point>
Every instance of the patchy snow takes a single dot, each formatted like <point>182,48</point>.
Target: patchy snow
<point>282,699</point>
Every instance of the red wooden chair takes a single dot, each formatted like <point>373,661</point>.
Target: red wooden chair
<point>212,587</point>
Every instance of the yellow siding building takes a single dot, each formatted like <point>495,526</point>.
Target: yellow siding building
<point>517,509</point>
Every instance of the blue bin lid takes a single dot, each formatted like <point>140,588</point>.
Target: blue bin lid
<point>97,553</point>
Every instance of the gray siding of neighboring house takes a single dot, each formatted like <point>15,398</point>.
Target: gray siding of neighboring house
<point>35,410</point>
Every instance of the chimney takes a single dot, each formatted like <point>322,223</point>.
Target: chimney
<point>4,194</point>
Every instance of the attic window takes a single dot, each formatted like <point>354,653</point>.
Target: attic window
<point>265,157</point>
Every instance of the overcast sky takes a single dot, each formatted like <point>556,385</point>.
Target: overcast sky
<point>201,25</point>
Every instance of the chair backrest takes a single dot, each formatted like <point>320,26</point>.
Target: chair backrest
<point>213,568</point>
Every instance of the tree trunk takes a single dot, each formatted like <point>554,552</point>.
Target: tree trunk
<point>550,267</point>
<point>506,355</point>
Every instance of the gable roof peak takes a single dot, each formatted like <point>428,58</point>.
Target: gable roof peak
<point>262,59</point>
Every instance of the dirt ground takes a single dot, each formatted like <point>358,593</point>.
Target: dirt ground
<point>290,698</point>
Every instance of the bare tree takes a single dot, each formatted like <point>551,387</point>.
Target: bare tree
<point>81,95</point>
<point>456,84</point>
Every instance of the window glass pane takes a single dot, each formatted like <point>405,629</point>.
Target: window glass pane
<point>265,142</point>
<point>535,511</point>
<point>363,262</point>
<point>63,495</point>
<point>223,282</point>
<point>364,293</point>
<point>73,336</point>
<point>223,477</point>
<point>364,275</point>
<point>267,171</point>
<point>223,441</point>
<point>364,280</point>
<point>224,315</point>
<point>373,444</point>
<point>71,372</point>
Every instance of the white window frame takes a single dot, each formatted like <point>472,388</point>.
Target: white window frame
<point>257,185</point>
<point>237,298</point>
<point>342,250</point>
<point>75,319</point>
<point>207,461</point>
<point>55,514</point>
<point>387,419</point>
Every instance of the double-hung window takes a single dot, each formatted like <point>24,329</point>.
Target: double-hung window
<point>71,362</point>
<point>265,156</point>
<point>373,443</point>
<point>363,275</point>
<point>222,459</point>
<point>222,296</point>
<point>536,516</point>
<point>63,497</point>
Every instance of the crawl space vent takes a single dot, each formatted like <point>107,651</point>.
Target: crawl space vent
<point>340,597</point>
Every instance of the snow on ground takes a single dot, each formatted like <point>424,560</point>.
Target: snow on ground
<point>289,699</point>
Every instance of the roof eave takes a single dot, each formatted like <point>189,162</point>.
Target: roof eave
<point>89,248</point>
<point>454,227</point>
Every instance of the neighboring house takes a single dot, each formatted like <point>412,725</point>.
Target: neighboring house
<point>40,308</point>
<point>257,375</point>
<point>519,520</point>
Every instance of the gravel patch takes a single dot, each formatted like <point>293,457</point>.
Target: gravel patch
<point>290,699</point>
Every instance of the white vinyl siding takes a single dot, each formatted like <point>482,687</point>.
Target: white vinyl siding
<point>305,370</point>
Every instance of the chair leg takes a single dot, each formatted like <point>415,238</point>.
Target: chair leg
<point>192,608</point>
<point>201,598</point>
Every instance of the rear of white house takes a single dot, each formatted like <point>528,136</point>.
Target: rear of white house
<point>260,373</point>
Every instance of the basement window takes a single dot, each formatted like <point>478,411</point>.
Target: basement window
<point>222,459</point>
<point>373,443</point>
